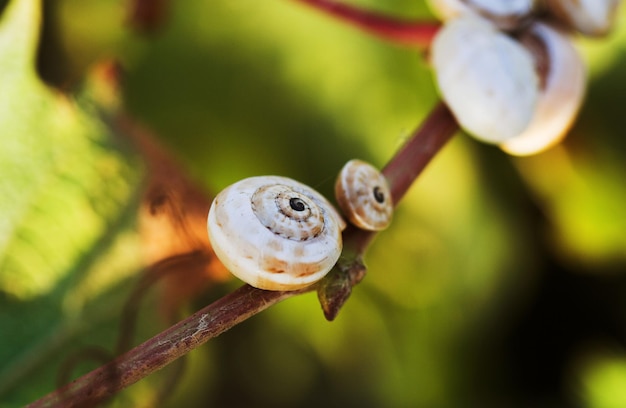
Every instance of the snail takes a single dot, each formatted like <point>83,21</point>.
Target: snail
<point>275,233</point>
<point>560,96</point>
<point>487,78</point>
<point>590,17</point>
<point>363,195</point>
<point>508,14</point>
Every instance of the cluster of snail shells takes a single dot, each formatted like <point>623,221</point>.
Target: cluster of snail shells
<point>589,17</point>
<point>505,14</point>
<point>275,233</point>
<point>508,78</point>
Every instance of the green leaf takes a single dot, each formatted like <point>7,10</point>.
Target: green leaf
<point>68,198</point>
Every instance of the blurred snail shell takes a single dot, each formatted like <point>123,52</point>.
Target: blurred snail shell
<point>275,233</point>
<point>506,14</point>
<point>560,97</point>
<point>590,17</point>
<point>487,78</point>
<point>363,195</point>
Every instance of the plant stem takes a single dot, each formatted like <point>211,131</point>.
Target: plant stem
<point>406,165</point>
<point>412,158</point>
<point>247,301</point>
<point>413,33</point>
<point>164,348</point>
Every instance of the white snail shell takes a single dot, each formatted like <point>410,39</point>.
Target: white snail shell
<point>487,79</point>
<point>505,14</point>
<point>560,97</point>
<point>590,17</point>
<point>363,194</point>
<point>275,233</point>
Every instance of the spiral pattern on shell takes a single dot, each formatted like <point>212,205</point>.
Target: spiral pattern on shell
<point>363,194</point>
<point>275,233</point>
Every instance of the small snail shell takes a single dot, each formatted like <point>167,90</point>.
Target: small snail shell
<point>364,196</point>
<point>590,17</point>
<point>560,97</point>
<point>275,233</point>
<point>505,14</point>
<point>487,79</point>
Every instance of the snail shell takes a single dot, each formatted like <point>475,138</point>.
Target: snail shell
<point>505,14</point>
<point>275,233</point>
<point>590,17</point>
<point>363,195</point>
<point>487,78</point>
<point>560,97</point>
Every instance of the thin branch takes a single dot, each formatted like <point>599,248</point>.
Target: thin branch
<point>164,348</point>
<point>247,301</point>
<point>408,163</point>
<point>413,33</point>
<point>401,171</point>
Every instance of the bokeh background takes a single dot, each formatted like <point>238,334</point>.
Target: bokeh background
<point>501,282</point>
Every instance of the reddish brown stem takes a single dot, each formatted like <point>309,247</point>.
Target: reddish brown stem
<point>423,145</point>
<point>414,33</point>
<point>401,172</point>
<point>407,164</point>
<point>147,16</point>
<point>164,348</point>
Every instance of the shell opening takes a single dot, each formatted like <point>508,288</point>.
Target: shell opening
<point>379,196</point>
<point>296,204</point>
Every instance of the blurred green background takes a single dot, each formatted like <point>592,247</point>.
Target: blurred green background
<point>502,281</point>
